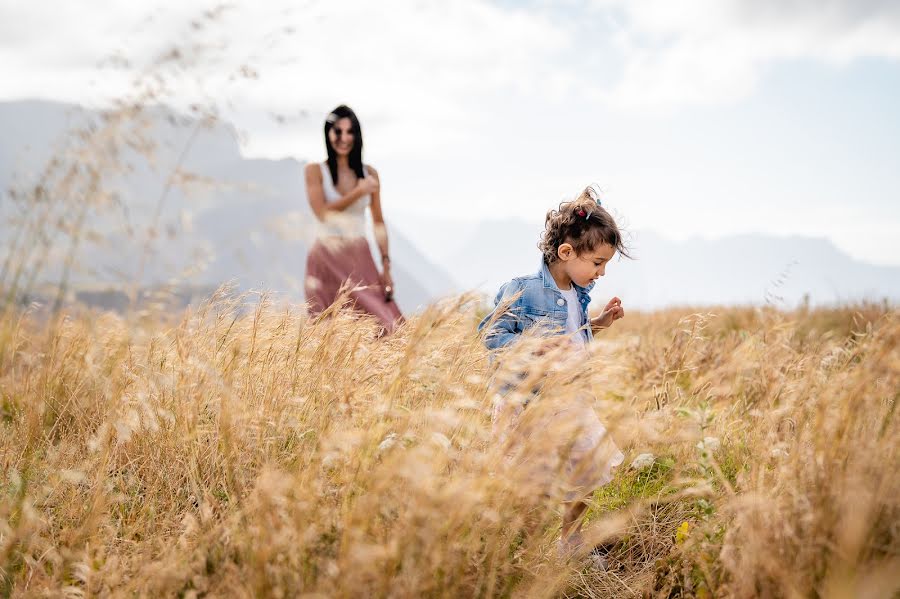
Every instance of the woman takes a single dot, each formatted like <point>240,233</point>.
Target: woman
<point>339,191</point>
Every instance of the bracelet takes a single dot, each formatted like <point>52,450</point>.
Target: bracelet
<point>385,259</point>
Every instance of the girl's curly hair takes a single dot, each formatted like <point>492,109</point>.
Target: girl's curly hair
<point>584,224</point>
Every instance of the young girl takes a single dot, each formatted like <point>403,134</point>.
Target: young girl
<point>579,240</point>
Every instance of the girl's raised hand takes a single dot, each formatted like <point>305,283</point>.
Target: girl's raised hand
<point>611,313</point>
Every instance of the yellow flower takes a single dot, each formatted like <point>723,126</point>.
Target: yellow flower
<point>682,533</point>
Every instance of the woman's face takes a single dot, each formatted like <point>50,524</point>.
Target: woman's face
<point>341,137</point>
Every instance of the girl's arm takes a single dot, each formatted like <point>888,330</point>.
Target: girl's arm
<point>502,326</point>
<point>316,193</point>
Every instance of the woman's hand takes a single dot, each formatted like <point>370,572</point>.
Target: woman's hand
<point>387,284</point>
<point>611,313</point>
<point>367,185</point>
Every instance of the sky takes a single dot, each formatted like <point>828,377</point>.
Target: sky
<point>697,118</point>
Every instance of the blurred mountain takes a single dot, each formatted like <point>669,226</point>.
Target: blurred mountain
<point>222,217</point>
<point>218,216</point>
<point>740,269</point>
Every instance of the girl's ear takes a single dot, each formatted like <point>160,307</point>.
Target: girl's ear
<point>565,251</point>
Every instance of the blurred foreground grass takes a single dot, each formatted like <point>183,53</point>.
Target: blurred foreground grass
<point>243,450</point>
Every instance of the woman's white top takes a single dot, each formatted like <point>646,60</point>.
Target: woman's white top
<point>349,222</point>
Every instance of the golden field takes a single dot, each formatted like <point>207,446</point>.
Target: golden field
<point>240,449</point>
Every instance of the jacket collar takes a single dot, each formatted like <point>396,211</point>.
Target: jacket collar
<point>550,282</point>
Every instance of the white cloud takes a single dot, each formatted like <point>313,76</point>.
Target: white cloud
<point>417,65</point>
<point>702,52</point>
<point>476,108</point>
<point>405,61</point>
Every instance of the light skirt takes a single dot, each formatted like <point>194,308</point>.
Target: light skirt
<point>558,446</point>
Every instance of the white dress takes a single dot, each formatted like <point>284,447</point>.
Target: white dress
<point>556,444</point>
<point>349,222</point>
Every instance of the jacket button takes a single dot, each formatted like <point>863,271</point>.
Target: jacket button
<point>560,302</point>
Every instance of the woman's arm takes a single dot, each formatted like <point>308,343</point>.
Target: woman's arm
<point>316,193</point>
<point>381,236</point>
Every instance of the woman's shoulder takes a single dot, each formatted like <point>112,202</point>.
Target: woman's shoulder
<point>370,170</point>
<point>314,170</point>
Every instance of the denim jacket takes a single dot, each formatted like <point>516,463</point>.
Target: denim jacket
<point>540,304</point>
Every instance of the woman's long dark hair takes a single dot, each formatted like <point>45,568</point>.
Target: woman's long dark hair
<point>356,162</point>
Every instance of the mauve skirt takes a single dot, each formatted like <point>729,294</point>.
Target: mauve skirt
<point>333,262</point>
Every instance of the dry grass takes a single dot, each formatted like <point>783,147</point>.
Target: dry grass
<point>244,450</point>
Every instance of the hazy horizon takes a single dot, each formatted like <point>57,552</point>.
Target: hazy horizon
<point>247,220</point>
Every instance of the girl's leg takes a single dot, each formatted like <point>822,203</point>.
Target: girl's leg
<point>572,518</point>
<point>570,540</point>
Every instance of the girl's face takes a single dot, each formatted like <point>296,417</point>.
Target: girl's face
<point>341,137</point>
<point>586,268</point>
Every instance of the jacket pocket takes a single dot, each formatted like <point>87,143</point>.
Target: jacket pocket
<point>545,319</point>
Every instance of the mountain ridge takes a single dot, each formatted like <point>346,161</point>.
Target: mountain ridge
<point>245,219</point>
<point>248,219</point>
